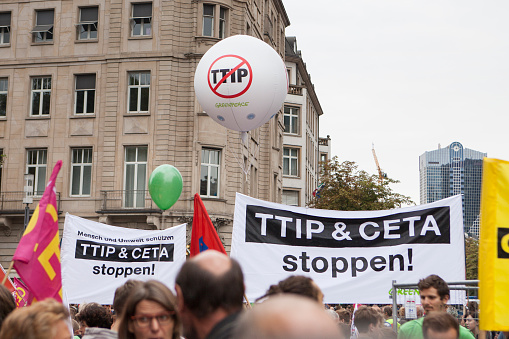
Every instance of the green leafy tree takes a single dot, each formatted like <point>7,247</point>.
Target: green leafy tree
<point>345,187</point>
<point>471,257</point>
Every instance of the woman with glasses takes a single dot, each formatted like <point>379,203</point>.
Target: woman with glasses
<point>150,312</point>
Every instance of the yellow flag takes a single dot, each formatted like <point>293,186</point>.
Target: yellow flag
<point>494,246</point>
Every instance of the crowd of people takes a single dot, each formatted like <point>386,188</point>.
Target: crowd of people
<point>210,304</point>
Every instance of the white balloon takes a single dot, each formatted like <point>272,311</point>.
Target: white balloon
<point>241,82</point>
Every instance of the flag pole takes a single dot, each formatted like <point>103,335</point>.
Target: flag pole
<point>248,303</point>
<point>9,271</point>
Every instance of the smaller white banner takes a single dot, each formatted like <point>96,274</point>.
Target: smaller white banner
<point>97,258</point>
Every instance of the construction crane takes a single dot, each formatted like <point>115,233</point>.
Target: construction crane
<point>381,175</point>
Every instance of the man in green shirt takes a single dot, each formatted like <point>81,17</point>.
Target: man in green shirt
<point>434,294</point>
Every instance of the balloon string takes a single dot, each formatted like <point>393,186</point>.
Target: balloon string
<point>241,165</point>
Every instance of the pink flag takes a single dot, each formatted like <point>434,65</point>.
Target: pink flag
<point>23,296</point>
<point>37,258</point>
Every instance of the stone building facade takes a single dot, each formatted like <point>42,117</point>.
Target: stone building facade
<point>106,86</point>
<point>301,113</point>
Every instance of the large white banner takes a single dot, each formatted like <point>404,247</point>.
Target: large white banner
<point>98,258</point>
<point>352,255</point>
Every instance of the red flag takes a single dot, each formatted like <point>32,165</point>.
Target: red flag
<point>204,236</point>
<point>23,295</point>
<point>37,258</point>
<point>8,282</point>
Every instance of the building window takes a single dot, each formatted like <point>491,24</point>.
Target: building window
<point>210,25</point>
<point>290,197</point>
<point>81,171</point>
<point>324,157</point>
<point>36,165</point>
<point>209,178</point>
<point>43,30</point>
<point>87,26</point>
<point>85,94</point>
<point>3,96</point>
<point>5,28</point>
<point>290,161</point>
<point>139,92</point>
<point>41,95</point>
<point>208,20</point>
<point>222,22</point>
<point>135,176</point>
<point>291,119</point>
<point>141,21</point>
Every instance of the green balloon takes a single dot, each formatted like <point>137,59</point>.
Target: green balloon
<point>165,186</point>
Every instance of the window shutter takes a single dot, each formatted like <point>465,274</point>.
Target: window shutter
<point>85,81</point>
<point>142,10</point>
<point>89,14</point>
<point>5,19</point>
<point>45,17</point>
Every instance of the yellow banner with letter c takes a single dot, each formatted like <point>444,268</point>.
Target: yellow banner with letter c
<point>494,246</point>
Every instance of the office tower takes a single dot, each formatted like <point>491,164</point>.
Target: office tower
<point>453,170</point>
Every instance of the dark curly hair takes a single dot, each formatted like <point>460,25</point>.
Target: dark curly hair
<point>436,282</point>
<point>295,284</point>
<point>95,315</point>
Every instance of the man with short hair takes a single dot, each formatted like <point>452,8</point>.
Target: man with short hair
<point>434,294</point>
<point>366,319</point>
<point>387,311</point>
<point>440,325</point>
<point>210,291</point>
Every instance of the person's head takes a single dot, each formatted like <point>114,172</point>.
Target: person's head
<point>7,303</point>
<point>472,321</point>
<point>120,298</point>
<point>150,311</point>
<point>434,293</point>
<point>122,293</point>
<point>344,316</point>
<point>210,286</point>
<point>296,284</point>
<point>209,281</point>
<point>387,311</point>
<point>420,311</point>
<point>44,319</point>
<point>287,316</point>
<point>366,319</point>
<point>440,325</point>
<point>94,315</point>
<point>75,327</point>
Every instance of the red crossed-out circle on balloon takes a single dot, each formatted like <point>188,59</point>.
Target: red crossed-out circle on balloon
<point>222,81</point>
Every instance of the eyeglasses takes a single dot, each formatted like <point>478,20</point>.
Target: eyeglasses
<point>146,319</point>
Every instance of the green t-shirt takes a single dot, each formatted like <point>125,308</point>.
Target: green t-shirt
<point>413,330</point>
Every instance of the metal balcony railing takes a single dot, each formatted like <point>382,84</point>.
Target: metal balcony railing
<point>12,202</point>
<point>295,90</point>
<point>124,200</point>
<point>323,141</point>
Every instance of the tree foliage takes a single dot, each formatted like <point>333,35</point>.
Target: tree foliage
<point>471,257</point>
<point>346,188</point>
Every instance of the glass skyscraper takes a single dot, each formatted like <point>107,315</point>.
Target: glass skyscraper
<point>454,170</point>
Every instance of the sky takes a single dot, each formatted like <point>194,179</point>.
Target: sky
<point>406,76</point>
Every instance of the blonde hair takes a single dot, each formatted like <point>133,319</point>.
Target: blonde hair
<point>34,322</point>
